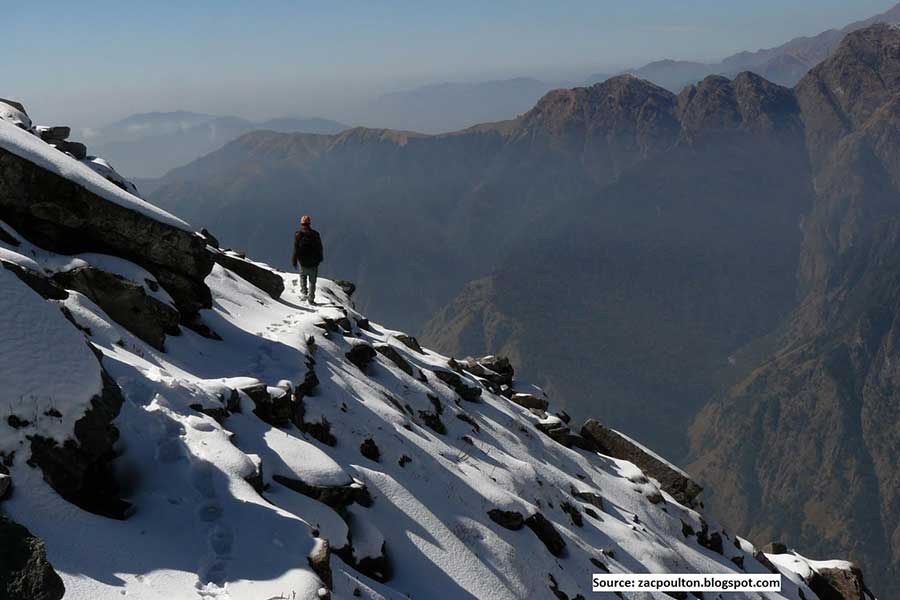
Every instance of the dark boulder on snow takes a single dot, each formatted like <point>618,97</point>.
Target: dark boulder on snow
<point>361,354</point>
<point>53,133</point>
<point>509,519</point>
<point>348,287</point>
<point>775,548</point>
<point>265,279</point>
<point>547,533</point>
<point>465,390</point>
<point>390,353</point>
<point>838,584</point>
<point>25,573</point>
<point>369,449</point>
<point>496,369</point>
<point>275,408</point>
<point>79,468</point>
<point>672,479</point>
<point>530,401</point>
<point>410,342</point>
<point>77,150</point>
<point>125,301</point>
<point>62,216</point>
<point>39,282</point>
<point>335,496</point>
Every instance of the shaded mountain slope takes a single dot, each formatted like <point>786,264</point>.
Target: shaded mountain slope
<point>820,463</point>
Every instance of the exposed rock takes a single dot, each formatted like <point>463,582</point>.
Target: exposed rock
<point>25,573</point>
<point>547,533</point>
<point>348,287</point>
<point>265,279</point>
<point>211,239</point>
<point>361,354</point>
<point>125,301</point>
<point>838,584</point>
<point>59,215</point>
<point>390,353</point>
<point>79,469</point>
<point>40,283</point>
<point>76,149</point>
<point>410,342</point>
<point>14,112</point>
<point>56,132</point>
<point>612,443</point>
<point>465,391</point>
<point>499,369</point>
<point>369,449</point>
<point>320,561</point>
<point>573,512</point>
<point>589,498</point>
<point>466,418</point>
<point>530,401</point>
<point>433,421</point>
<point>276,409</point>
<point>775,548</point>
<point>337,496</point>
<point>404,460</point>
<point>510,519</point>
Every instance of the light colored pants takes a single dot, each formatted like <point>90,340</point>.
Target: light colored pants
<point>308,274</point>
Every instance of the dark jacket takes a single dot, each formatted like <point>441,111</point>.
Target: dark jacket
<point>307,248</point>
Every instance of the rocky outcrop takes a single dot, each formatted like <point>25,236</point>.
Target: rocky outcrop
<point>79,468</point>
<point>335,496</point>
<point>60,215</point>
<point>125,301</point>
<point>510,519</point>
<point>671,479</point>
<point>466,391</point>
<point>265,279</point>
<point>390,353</point>
<point>361,354</point>
<point>839,584</point>
<point>39,282</point>
<point>547,533</point>
<point>25,573</point>
<point>275,406</point>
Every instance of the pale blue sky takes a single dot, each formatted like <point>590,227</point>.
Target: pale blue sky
<point>97,61</point>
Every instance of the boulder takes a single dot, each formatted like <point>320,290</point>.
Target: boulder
<point>672,479</point>
<point>410,342</point>
<point>390,353</point>
<point>775,548</point>
<point>433,421</point>
<point>15,113</point>
<point>275,408</point>
<point>265,279</point>
<point>464,390</point>
<point>361,354</point>
<point>547,533</point>
<point>337,496</point>
<point>76,149</point>
<point>348,287</point>
<point>369,449</point>
<point>500,371</point>
<point>589,498</point>
<point>530,401</point>
<point>508,519</point>
<point>79,468</point>
<point>54,133</point>
<point>125,301</point>
<point>838,584</point>
<point>39,282</point>
<point>60,215</point>
<point>25,573</point>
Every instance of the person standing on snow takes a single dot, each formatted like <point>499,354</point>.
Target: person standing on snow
<point>308,252</point>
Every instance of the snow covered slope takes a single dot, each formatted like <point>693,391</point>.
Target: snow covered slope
<point>294,451</point>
